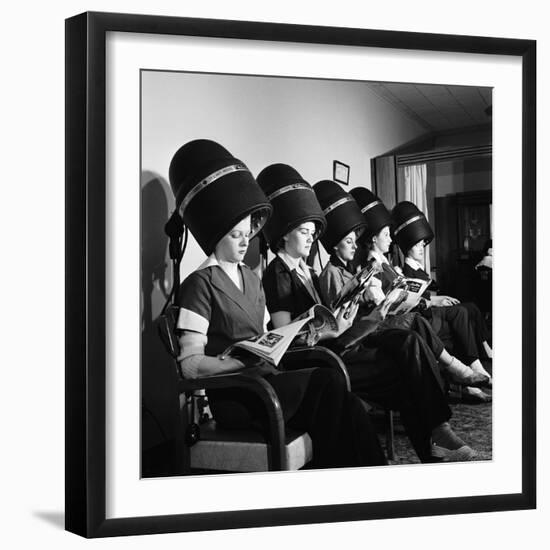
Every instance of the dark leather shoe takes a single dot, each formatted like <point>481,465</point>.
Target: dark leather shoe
<point>474,379</point>
<point>475,395</point>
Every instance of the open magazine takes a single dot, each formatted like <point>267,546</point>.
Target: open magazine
<point>272,345</point>
<point>404,296</point>
<point>351,291</point>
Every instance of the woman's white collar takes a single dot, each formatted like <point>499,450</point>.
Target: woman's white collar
<point>293,263</point>
<point>211,261</point>
<point>378,256</point>
<point>413,263</point>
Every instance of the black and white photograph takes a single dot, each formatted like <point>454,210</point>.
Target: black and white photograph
<point>243,228</point>
<point>316,326</point>
<point>275,274</point>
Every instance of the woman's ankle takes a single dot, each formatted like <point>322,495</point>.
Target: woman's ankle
<point>457,366</point>
<point>444,436</point>
<point>488,350</point>
<point>477,366</point>
<point>462,374</point>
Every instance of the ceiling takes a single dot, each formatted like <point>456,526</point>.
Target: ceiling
<point>437,107</point>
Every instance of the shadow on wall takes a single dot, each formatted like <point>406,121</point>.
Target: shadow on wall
<point>154,242</point>
<point>159,397</point>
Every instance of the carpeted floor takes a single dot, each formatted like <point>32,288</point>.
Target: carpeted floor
<point>472,422</point>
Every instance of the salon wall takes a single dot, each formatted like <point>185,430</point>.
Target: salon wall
<point>304,123</point>
<point>261,121</point>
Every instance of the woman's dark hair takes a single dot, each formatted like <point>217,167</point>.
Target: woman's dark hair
<point>258,219</point>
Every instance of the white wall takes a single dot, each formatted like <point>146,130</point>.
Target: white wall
<point>264,120</point>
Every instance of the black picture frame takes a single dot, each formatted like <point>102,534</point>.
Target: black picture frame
<point>340,172</point>
<point>86,285</point>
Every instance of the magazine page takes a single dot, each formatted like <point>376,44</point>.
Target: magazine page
<point>272,345</point>
<point>401,299</point>
<point>322,322</point>
<point>398,301</point>
<point>354,287</point>
<point>417,286</point>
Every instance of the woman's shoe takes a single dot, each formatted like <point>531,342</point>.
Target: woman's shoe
<point>445,437</point>
<point>461,374</point>
<point>478,367</point>
<point>462,454</point>
<point>475,395</point>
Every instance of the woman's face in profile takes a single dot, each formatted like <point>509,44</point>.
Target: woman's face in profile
<point>382,240</point>
<point>346,248</point>
<point>298,242</point>
<point>417,252</point>
<point>233,247</point>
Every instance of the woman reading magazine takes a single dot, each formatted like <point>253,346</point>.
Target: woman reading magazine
<point>407,380</point>
<point>377,239</point>
<point>222,302</point>
<point>462,324</point>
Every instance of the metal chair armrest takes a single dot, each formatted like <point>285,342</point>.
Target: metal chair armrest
<point>264,390</point>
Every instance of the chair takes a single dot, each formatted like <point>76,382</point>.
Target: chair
<point>389,420</point>
<point>218,449</point>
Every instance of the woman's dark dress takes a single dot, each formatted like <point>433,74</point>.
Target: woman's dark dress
<point>315,400</point>
<point>461,327</point>
<point>395,368</point>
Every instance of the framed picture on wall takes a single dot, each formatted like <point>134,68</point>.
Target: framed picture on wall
<point>129,459</point>
<point>340,172</point>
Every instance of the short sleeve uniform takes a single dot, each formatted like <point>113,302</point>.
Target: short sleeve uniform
<point>212,305</point>
<point>285,291</point>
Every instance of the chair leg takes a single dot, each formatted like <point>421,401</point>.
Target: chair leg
<point>184,457</point>
<point>390,443</point>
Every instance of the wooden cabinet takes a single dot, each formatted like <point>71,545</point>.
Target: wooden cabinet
<point>462,228</point>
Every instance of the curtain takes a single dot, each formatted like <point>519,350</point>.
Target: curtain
<point>414,185</point>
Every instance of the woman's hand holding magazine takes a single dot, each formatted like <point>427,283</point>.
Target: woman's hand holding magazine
<point>310,327</point>
<point>355,287</point>
<point>345,315</point>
